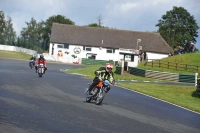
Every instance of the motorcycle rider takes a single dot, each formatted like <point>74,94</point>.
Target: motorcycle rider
<point>32,59</point>
<point>41,60</point>
<point>103,73</point>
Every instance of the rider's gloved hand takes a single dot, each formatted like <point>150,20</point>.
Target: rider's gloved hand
<point>113,83</point>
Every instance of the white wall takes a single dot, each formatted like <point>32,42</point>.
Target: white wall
<point>101,54</point>
<point>17,49</point>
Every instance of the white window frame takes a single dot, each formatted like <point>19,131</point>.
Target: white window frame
<point>60,45</point>
<point>86,48</point>
<point>112,51</point>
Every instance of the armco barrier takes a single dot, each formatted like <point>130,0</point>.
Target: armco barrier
<point>136,71</point>
<point>163,75</point>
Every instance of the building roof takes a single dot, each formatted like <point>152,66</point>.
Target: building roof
<point>109,38</point>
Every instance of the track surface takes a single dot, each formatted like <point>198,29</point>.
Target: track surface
<point>56,103</point>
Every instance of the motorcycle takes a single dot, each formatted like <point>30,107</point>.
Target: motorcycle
<point>98,93</point>
<point>40,70</point>
<point>31,63</point>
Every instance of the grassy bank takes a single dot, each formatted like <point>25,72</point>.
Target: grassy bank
<point>15,55</point>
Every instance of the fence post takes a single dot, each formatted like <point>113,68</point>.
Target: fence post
<point>168,65</point>
<point>122,71</point>
<point>196,78</point>
<point>159,63</point>
<point>152,63</point>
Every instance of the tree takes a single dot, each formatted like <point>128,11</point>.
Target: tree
<point>178,27</point>
<point>32,34</point>
<point>9,34</point>
<point>48,25</point>
<point>93,25</point>
<point>2,26</point>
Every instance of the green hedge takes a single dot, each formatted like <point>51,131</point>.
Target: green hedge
<point>86,61</point>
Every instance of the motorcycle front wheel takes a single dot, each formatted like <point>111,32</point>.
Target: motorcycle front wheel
<point>31,65</point>
<point>88,97</point>
<point>40,74</point>
<point>100,97</point>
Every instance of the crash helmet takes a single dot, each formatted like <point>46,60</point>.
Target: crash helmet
<point>109,67</point>
<point>41,56</point>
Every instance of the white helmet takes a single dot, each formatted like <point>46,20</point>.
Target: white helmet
<point>109,67</point>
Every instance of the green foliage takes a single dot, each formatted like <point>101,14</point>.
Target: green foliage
<point>7,33</point>
<point>48,25</point>
<point>31,36</point>
<point>93,25</point>
<point>178,27</point>
<point>37,35</point>
<point>2,26</point>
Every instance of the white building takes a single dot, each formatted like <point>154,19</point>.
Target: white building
<point>104,44</point>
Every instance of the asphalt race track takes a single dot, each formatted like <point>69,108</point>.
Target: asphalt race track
<point>56,103</point>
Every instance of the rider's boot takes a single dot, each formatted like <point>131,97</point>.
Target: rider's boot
<point>35,69</point>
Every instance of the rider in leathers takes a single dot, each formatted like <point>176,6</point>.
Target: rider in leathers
<point>32,59</point>
<point>103,74</point>
<point>41,60</point>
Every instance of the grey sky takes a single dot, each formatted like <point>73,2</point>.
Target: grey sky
<point>135,15</point>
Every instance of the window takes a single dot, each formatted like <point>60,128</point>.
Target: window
<point>128,56</point>
<point>60,46</point>
<point>110,51</point>
<point>87,48</point>
<point>66,46</point>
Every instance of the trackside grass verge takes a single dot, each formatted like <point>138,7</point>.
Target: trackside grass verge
<point>15,55</point>
<point>184,96</point>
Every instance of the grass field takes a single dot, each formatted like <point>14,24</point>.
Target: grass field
<point>184,96</point>
<point>15,55</point>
